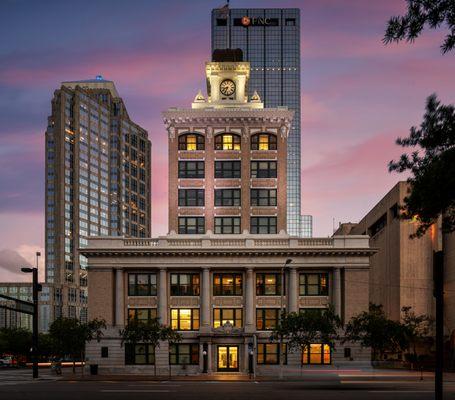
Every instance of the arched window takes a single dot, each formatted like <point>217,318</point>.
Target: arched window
<point>263,141</point>
<point>227,141</point>
<point>191,141</point>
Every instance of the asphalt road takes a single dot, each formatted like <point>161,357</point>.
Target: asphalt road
<point>21,386</point>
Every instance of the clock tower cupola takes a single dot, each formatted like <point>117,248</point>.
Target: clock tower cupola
<point>227,78</point>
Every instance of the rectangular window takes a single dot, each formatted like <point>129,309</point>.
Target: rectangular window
<point>316,284</point>
<point>263,197</point>
<point>185,319</point>
<point>268,284</point>
<point>227,284</point>
<point>104,352</point>
<point>263,169</point>
<point>191,225</point>
<point>137,354</point>
<point>185,284</point>
<point>141,284</point>
<point>184,354</point>
<point>315,311</point>
<point>227,225</point>
<point>227,169</point>
<point>191,169</point>
<point>263,225</point>
<point>227,197</point>
<point>191,197</point>
<point>268,353</point>
<point>318,353</point>
<point>267,318</point>
<point>142,315</point>
<point>222,316</point>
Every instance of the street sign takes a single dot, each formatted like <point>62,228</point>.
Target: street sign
<point>10,303</point>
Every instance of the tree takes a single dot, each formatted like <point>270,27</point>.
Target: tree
<point>432,165</point>
<point>434,13</point>
<point>15,341</point>
<point>69,336</point>
<point>374,330</point>
<point>417,329</point>
<point>151,333</point>
<point>300,330</point>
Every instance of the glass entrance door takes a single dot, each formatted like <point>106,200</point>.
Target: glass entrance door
<point>228,358</point>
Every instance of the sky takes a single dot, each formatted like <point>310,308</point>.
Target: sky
<point>357,96</point>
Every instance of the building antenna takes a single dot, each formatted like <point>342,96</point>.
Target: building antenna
<point>229,26</point>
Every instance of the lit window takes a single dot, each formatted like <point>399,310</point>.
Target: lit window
<point>227,141</point>
<point>185,319</point>
<point>314,284</point>
<point>191,142</point>
<point>222,316</point>
<point>317,354</point>
<point>263,141</point>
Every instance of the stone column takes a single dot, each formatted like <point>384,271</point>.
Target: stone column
<point>337,291</point>
<point>205,300</point>
<point>162,297</point>
<point>293,290</point>
<point>250,325</point>
<point>119,298</point>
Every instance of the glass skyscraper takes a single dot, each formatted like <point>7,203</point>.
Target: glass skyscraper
<point>270,41</point>
<point>97,183</point>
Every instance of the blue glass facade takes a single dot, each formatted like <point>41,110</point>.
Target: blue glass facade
<point>270,41</point>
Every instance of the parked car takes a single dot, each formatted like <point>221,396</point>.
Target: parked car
<point>7,362</point>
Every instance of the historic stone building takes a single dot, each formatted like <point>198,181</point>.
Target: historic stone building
<point>223,294</point>
<point>227,267</point>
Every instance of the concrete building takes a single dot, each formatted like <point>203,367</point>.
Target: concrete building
<point>402,270</point>
<point>23,291</point>
<point>219,277</point>
<point>270,41</point>
<point>223,294</point>
<point>97,183</point>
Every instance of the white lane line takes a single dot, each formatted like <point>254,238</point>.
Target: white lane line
<point>133,391</point>
<point>401,391</point>
<point>153,385</point>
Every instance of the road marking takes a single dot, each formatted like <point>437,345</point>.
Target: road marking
<point>401,391</point>
<point>154,385</point>
<point>133,391</point>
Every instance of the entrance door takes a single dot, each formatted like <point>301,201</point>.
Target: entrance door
<point>228,358</point>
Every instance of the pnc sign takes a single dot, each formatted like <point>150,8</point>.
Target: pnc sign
<point>255,21</point>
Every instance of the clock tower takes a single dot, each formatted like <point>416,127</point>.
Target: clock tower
<point>227,82</point>
<point>227,157</point>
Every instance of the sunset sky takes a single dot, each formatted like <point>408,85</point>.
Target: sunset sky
<point>357,95</point>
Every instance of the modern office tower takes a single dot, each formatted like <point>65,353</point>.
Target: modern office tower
<point>97,183</point>
<point>227,156</point>
<point>23,291</point>
<point>270,41</point>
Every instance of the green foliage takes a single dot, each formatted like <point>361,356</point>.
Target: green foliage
<point>15,341</point>
<point>69,335</point>
<point>432,166</point>
<point>373,329</point>
<point>152,332</point>
<point>299,330</point>
<point>417,329</point>
<point>434,13</point>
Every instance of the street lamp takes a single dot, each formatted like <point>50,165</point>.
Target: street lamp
<point>36,289</point>
<point>282,290</point>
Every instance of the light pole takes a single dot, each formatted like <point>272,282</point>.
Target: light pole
<point>36,289</point>
<point>282,290</point>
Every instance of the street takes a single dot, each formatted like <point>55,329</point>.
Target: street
<point>17,384</point>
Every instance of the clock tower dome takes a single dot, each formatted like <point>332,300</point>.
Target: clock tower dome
<point>227,82</point>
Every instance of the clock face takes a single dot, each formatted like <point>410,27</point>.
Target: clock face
<point>227,87</point>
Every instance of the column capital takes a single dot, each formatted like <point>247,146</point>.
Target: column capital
<point>205,268</point>
<point>163,269</point>
<point>249,269</point>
